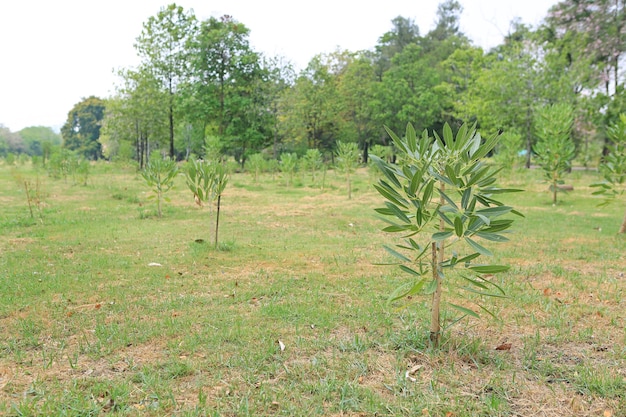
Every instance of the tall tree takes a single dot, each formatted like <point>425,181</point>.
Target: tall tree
<point>137,116</point>
<point>226,83</point>
<point>355,91</point>
<point>310,110</point>
<point>409,92</point>
<point>81,131</point>
<point>10,142</point>
<point>403,33</point>
<point>35,138</point>
<point>163,48</point>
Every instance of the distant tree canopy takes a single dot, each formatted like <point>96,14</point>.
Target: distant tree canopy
<point>201,84</point>
<point>81,131</point>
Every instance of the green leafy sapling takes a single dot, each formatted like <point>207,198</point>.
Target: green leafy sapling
<point>613,168</point>
<point>207,181</point>
<point>288,165</point>
<point>159,174</point>
<point>440,197</point>
<point>256,165</point>
<point>554,148</point>
<point>312,162</point>
<point>347,161</point>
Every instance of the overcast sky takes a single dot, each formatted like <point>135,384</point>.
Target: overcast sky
<point>53,53</point>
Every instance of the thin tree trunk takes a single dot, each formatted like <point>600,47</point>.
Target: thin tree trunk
<point>437,258</point>
<point>622,229</point>
<point>217,218</point>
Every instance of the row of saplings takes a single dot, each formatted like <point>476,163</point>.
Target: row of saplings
<point>207,178</point>
<point>441,190</point>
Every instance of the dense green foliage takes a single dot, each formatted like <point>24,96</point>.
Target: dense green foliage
<point>81,131</point>
<point>202,79</point>
<point>554,148</point>
<point>613,188</point>
<point>442,189</point>
<point>159,175</point>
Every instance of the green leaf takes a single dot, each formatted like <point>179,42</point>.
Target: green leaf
<point>489,269</point>
<point>458,226</point>
<point>397,228</point>
<point>464,310</point>
<point>428,192</point>
<point>492,237</point>
<point>494,211</point>
<point>477,247</point>
<point>403,291</point>
<point>397,212</point>
<point>410,270</point>
<point>390,194</point>
<point>468,258</point>
<point>396,254</point>
<point>448,200</point>
<point>439,236</point>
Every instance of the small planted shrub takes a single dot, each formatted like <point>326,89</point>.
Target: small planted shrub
<point>207,181</point>
<point>347,161</point>
<point>554,148</point>
<point>256,165</point>
<point>312,162</point>
<point>288,165</point>
<point>613,168</point>
<point>441,198</point>
<point>159,175</point>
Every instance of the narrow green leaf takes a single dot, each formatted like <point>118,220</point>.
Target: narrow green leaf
<point>396,254</point>
<point>492,237</point>
<point>478,248</point>
<point>468,258</point>
<point>439,236</point>
<point>391,195</point>
<point>489,269</point>
<point>410,270</point>
<point>397,212</point>
<point>464,310</point>
<point>458,226</point>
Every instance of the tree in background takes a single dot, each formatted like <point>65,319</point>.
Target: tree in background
<point>10,142</point>
<point>225,93</point>
<point>555,148</point>
<point>163,49</point>
<point>136,116</point>
<point>35,138</point>
<point>81,131</point>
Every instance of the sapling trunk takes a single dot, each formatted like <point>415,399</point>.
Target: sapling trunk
<point>622,229</point>
<point>437,258</point>
<point>217,218</point>
<point>349,186</point>
<point>28,198</point>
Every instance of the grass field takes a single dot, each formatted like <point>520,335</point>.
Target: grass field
<point>290,316</point>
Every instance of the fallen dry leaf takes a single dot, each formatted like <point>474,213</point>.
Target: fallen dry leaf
<point>547,291</point>
<point>504,346</point>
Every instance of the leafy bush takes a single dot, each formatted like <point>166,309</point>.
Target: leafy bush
<point>159,174</point>
<point>554,148</point>
<point>441,196</point>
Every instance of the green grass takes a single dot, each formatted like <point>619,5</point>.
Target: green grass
<point>88,327</point>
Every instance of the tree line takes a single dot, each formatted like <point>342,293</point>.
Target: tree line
<point>201,83</point>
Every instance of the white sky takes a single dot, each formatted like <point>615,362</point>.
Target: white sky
<point>53,53</point>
